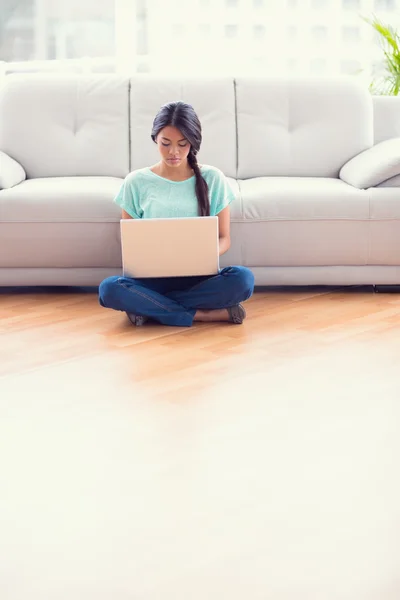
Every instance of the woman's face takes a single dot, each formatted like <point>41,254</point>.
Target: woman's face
<point>173,146</point>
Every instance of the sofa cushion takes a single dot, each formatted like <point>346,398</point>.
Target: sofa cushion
<point>11,172</point>
<point>298,221</point>
<point>299,198</point>
<point>300,127</point>
<point>386,117</point>
<point>392,182</point>
<point>61,199</point>
<point>373,166</point>
<point>66,125</point>
<point>384,226</point>
<point>61,223</point>
<point>213,101</point>
<point>236,204</point>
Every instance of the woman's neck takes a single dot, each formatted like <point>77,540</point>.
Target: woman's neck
<point>173,173</point>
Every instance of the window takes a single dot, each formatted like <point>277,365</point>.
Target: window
<point>178,29</point>
<point>31,30</point>
<point>351,4</point>
<point>141,41</point>
<point>260,62</point>
<point>231,31</point>
<point>204,29</point>
<point>259,32</point>
<point>351,34</point>
<point>318,66</point>
<point>320,4</point>
<point>143,67</point>
<point>385,4</point>
<point>319,33</point>
<point>350,67</point>
<point>206,37</point>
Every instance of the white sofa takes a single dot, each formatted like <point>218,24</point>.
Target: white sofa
<point>306,211</point>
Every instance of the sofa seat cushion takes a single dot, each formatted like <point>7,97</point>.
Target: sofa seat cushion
<point>61,199</point>
<point>299,221</point>
<point>299,198</point>
<point>60,222</point>
<point>234,185</point>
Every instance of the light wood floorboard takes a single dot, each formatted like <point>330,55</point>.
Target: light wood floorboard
<point>254,462</point>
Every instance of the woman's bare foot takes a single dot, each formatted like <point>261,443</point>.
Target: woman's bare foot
<point>233,314</point>
<point>207,316</point>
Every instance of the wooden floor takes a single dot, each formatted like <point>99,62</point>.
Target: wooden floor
<point>43,327</point>
<point>253,462</point>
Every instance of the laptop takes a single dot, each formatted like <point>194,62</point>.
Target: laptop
<point>177,247</point>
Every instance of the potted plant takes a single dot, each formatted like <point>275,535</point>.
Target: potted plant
<point>387,82</point>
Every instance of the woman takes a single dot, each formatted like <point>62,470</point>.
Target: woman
<point>178,187</point>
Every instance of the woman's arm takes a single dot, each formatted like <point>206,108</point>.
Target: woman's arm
<point>125,215</point>
<point>224,225</point>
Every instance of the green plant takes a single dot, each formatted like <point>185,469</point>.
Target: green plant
<point>388,82</point>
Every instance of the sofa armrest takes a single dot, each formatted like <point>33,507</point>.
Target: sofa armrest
<point>373,166</point>
<point>11,172</point>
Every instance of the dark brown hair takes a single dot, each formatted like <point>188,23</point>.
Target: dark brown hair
<point>183,117</point>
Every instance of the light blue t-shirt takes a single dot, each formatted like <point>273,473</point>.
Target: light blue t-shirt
<point>145,195</point>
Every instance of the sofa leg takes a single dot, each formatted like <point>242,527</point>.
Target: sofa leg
<point>386,289</point>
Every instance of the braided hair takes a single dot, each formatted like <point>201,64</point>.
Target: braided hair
<point>183,117</point>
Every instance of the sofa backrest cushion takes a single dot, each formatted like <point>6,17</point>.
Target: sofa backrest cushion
<point>61,125</point>
<point>214,103</point>
<point>300,127</point>
<point>386,118</point>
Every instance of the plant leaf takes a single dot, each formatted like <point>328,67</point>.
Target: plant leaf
<point>389,83</point>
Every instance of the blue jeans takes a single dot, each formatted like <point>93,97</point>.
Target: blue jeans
<point>175,300</point>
